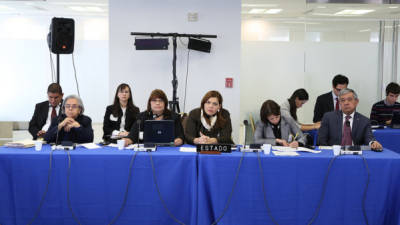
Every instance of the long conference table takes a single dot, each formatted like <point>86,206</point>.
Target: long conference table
<point>197,188</point>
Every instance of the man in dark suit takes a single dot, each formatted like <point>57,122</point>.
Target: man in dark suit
<point>346,126</point>
<point>45,111</point>
<point>329,101</point>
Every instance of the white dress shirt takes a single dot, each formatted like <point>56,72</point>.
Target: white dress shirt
<point>48,120</point>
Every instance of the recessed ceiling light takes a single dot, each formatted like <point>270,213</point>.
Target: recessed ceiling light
<point>273,11</point>
<point>365,30</point>
<point>3,7</point>
<point>321,7</point>
<point>354,11</point>
<point>77,8</point>
<point>86,8</point>
<point>256,11</point>
<point>94,9</point>
<point>393,7</point>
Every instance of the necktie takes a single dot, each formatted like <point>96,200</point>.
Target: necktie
<point>53,113</point>
<point>337,104</point>
<point>346,134</point>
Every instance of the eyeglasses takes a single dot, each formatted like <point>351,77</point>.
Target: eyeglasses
<point>157,100</point>
<point>68,106</point>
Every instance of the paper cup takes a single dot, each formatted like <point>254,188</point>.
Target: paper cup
<point>266,148</point>
<point>38,145</point>
<point>336,149</point>
<point>121,144</point>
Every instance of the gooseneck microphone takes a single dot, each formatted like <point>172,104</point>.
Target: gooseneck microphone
<point>246,123</point>
<point>138,126</point>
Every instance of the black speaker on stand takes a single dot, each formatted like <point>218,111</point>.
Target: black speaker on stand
<point>61,38</point>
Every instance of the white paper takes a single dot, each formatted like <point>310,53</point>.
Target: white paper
<point>279,153</point>
<point>187,149</point>
<point>283,149</point>
<point>90,145</point>
<point>302,149</point>
<point>325,147</point>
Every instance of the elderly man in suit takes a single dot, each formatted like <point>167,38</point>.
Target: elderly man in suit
<point>346,126</point>
<point>330,101</point>
<point>46,111</point>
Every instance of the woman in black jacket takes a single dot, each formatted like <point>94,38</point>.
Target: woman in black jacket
<point>209,124</point>
<point>120,116</point>
<point>156,110</point>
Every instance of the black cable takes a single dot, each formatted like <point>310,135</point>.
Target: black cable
<point>187,74</point>
<point>159,193</point>
<point>68,197</point>
<point>365,190</point>
<point>323,191</point>
<point>232,190</point>
<point>45,192</point>
<point>76,79</point>
<point>263,190</point>
<point>126,190</point>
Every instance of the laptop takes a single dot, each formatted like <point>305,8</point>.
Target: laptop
<point>395,124</point>
<point>159,132</point>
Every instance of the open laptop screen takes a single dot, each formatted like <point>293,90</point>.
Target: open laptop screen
<point>158,131</point>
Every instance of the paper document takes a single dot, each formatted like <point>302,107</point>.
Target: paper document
<point>302,149</point>
<point>325,147</point>
<point>280,153</point>
<point>187,149</point>
<point>26,143</point>
<point>89,145</point>
<point>283,148</point>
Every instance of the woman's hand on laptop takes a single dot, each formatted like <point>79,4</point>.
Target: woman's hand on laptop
<point>178,141</point>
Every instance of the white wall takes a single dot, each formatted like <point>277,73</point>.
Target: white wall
<point>25,65</point>
<point>147,70</point>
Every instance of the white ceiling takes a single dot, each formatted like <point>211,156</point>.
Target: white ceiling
<point>299,9</point>
<point>55,7</point>
<point>295,9</point>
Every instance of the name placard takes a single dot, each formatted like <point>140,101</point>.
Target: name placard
<point>222,148</point>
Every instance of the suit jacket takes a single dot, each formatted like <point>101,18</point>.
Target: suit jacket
<point>110,125</point>
<point>146,115</point>
<point>39,118</point>
<point>82,134</point>
<point>330,132</point>
<point>265,135</point>
<point>194,127</point>
<point>323,104</point>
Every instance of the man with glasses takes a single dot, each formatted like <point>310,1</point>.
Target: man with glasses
<point>382,111</point>
<point>346,126</point>
<point>46,111</point>
<point>330,101</point>
<point>72,125</point>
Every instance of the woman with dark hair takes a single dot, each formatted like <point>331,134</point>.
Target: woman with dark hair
<point>290,106</point>
<point>209,124</point>
<point>120,116</point>
<point>277,129</point>
<point>156,110</point>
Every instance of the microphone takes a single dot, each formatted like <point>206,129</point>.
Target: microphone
<point>138,136</point>
<point>246,123</point>
<point>348,123</point>
<point>59,118</point>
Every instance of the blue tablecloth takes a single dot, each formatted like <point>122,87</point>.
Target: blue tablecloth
<point>97,186</point>
<point>196,187</point>
<point>293,188</point>
<point>389,138</point>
